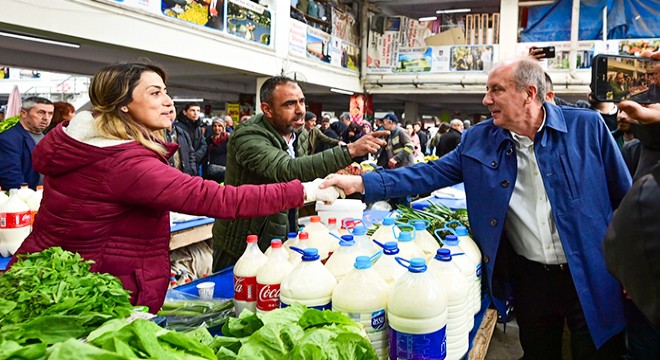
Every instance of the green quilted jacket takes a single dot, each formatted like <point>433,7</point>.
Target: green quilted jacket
<point>256,154</point>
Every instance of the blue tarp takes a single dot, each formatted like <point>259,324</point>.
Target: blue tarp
<point>626,19</point>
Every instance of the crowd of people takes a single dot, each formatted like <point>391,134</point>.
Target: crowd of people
<point>542,182</point>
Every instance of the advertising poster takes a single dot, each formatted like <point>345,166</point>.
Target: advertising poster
<point>350,56</point>
<point>4,72</point>
<point>356,108</point>
<point>414,32</point>
<point>248,21</point>
<point>210,14</point>
<point>337,53</point>
<point>234,110</point>
<point>342,25</point>
<point>414,60</point>
<point>318,45</point>
<point>471,58</point>
<point>298,38</point>
<point>584,54</point>
<point>246,103</point>
<point>383,43</point>
<point>440,58</point>
<point>635,47</point>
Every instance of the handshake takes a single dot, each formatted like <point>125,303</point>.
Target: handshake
<point>313,192</point>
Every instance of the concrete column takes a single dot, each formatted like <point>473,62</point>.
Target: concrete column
<point>508,29</point>
<point>410,109</point>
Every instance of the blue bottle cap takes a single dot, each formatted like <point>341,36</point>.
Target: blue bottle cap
<point>347,237</point>
<point>344,242</point>
<point>451,240</point>
<point>443,254</point>
<point>291,235</point>
<point>461,230</point>
<point>359,230</point>
<point>390,220</point>
<point>417,265</point>
<point>362,262</point>
<point>391,248</point>
<point>419,225</point>
<point>405,236</point>
<point>310,254</point>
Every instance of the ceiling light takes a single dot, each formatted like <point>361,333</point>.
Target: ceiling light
<point>340,91</point>
<point>187,99</point>
<point>453,11</point>
<point>428,18</point>
<point>38,39</point>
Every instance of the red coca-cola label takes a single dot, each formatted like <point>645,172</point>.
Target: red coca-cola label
<point>268,297</point>
<point>15,220</point>
<point>245,288</point>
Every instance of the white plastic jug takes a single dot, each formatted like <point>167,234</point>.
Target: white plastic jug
<point>302,243</point>
<point>15,220</point>
<point>417,314</point>
<point>309,283</point>
<point>34,201</point>
<point>245,276</point>
<point>24,192</point>
<point>291,240</point>
<point>387,266</point>
<point>364,244</point>
<point>362,296</point>
<point>333,230</point>
<point>270,276</point>
<point>386,231</point>
<point>408,249</point>
<point>319,236</point>
<point>3,197</point>
<point>471,250</point>
<point>459,309</point>
<point>423,238</point>
<point>341,261</point>
<point>467,266</point>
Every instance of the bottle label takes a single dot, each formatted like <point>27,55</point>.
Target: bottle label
<point>15,220</point>
<point>373,322</point>
<point>245,288</point>
<point>432,346</point>
<point>268,296</point>
<point>327,306</point>
<point>479,271</point>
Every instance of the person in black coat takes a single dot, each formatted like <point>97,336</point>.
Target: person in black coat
<point>214,161</point>
<point>451,139</point>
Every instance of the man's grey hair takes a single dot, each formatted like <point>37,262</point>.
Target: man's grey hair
<point>345,116</point>
<point>30,102</point>
<point>529,72</point>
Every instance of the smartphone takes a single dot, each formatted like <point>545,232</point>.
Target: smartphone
<point>548,51</point>
<point>620,77</point>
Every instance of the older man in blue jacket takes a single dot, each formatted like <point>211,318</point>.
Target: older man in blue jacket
<point>541,185</point>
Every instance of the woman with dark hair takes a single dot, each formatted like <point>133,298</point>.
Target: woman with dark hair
<point>109,188</point>
<point>63,112</point>
<point>215,161</point>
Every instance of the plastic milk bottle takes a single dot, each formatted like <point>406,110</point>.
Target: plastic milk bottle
<point>417,314</point>
<point>459,310</point>
<point>24,192</point>
<point>303,243</point>
<point>364,244</point>
<point>333,229</point>
<point>362,296</point>
<point>270,276</point>
<point>3,197</point>
<point>387,266</point>
<point>319,236</point>
<point>245,276</point>
<point>15,220</point>
<point>341,261</point>
<point>407,247</point>
<point>309,283</point>
<point>291,240</point>
<point>386,231</point>
<point>423,238</point>
<point>468,268</point>
<point>34,201</point>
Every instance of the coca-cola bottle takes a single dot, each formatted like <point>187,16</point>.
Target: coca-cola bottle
<point>245,276</point>
<point>270,277</point>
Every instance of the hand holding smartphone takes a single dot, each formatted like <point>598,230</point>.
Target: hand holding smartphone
<point>546,52</point>
<point>619,77</point>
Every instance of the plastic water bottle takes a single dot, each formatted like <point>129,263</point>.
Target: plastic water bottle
<point>423,238</point>
<point>15,220</point>
<point>459,310</point>
<point>362,296</point>
<point>417,314</point>
<point>309,283</point>
<point>341,261</point>
<point>303,243</point>
<point>386,232</point>
<point>34,201</point>
<point>407,247</point>
<point>364,244</point>
<point>319,237</point>
<point>24,192</point>
<point>270,276</point>
<point>245,276</point>
<point>468,268</point>
<point>387,266</point>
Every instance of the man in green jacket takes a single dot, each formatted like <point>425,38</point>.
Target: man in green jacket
<point>262,151</point>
